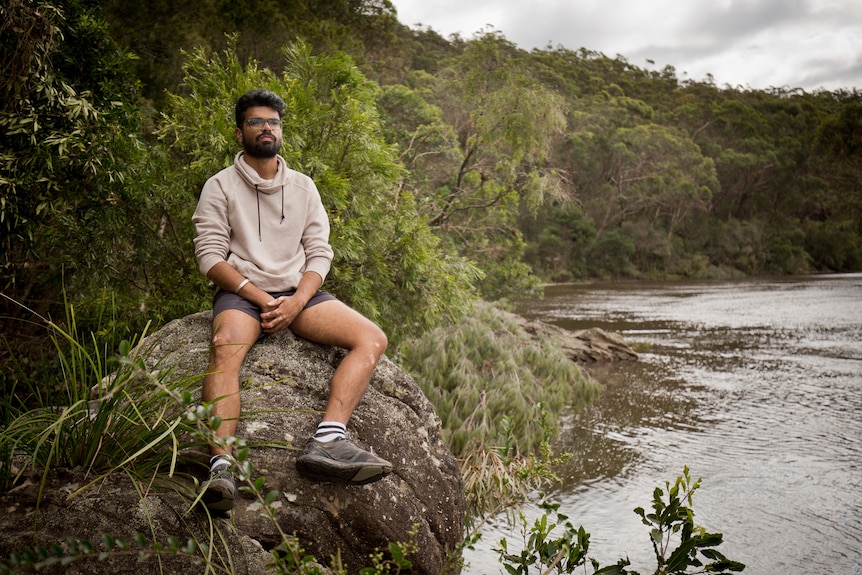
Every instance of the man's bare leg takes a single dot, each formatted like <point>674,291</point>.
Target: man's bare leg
<point>334,323</point>
<point>234,332</point>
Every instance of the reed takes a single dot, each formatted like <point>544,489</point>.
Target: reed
<point>500,394</point>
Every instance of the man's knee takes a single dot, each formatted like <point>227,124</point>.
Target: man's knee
<point>378,342</point>
<point>382,341</point>
<point>224,347</point>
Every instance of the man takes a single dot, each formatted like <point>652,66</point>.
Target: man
<point>263,240</point>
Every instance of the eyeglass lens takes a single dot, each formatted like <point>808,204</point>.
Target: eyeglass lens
<point>259,122</point>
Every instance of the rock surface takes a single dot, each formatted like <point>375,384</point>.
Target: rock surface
<point>284,383</point>
<point>585,346</point>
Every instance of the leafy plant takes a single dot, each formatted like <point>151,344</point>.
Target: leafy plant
<point>565,553</point>
<point>107,411</point>
<point>672,520</point>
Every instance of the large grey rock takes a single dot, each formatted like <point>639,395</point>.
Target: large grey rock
<point>285,382</point>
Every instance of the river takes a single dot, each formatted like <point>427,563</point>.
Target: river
<point>755,385</point>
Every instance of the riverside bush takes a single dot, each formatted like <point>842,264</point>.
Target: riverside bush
<point>485,367</point>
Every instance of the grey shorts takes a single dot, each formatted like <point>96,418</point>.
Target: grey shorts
<point>224,300</point>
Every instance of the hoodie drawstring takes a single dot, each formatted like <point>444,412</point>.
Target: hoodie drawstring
<point>257,194</point>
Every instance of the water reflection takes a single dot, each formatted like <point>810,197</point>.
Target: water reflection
<point>755,385</point>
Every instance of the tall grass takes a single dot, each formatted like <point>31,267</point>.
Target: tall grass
<point>103,411</point>
<point>487,372</point>
<point>500,394</point>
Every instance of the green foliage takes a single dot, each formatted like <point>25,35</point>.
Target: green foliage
<point>785,252</point>
<point>487,365</point>
<point>611,255</point>
<point>394,561</point>
<point>499,393</point>
<point>477,152</point>
<point>78,211</point>
<point>65,130</point>
<point>498,478</point>
<point>671,522</point>
<point>160,30</point>
<point>557,243</point>
<point>69,135</point>
<point>565,554</point>
<point>108,411</point>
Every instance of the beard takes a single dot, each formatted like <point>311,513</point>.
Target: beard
<point>263,149</point>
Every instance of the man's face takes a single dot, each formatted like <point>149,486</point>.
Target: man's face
<point>264,140</point>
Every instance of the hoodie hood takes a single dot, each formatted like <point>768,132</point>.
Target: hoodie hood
<point>255,181</point>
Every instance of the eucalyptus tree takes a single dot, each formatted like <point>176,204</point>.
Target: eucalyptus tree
<point>634,173</point>
<point>478,151</point>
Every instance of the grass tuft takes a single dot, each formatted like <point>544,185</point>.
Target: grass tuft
<point>487,367</point>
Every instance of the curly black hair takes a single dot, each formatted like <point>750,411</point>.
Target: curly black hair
<point>257,98</point>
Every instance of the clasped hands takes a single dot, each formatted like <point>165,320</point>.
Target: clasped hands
<point>279,313</point>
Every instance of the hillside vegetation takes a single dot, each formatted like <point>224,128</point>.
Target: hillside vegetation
<point>453,169</point>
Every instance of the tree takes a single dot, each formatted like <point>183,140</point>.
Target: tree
<point>654,172</point>
<point>482,156</point>
<point>69,145</point>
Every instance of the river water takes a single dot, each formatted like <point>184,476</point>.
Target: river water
<point>755,385</point>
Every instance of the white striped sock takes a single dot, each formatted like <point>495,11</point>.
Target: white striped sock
<point>329,431</point>
<point>219,461</point>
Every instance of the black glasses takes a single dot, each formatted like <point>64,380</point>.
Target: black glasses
<point>259,123</point>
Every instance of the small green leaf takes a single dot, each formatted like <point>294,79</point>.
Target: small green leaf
<point>107,541</point>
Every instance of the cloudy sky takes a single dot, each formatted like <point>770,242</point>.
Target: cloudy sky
<point>807,44</point>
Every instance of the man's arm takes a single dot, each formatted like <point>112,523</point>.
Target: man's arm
<point>227,278</point>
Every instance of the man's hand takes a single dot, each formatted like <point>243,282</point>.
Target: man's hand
<point>279,313</point>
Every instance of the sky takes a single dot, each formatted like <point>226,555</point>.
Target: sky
<point>758,44</point>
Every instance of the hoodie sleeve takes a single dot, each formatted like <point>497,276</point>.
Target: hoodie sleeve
<point>315,237</point>
<point>212,240</point>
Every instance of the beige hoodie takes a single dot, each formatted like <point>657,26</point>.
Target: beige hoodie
<point>270,231</point>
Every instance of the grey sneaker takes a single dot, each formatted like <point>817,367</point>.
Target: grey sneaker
<point>340,461</point>
<point>219,491</point>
